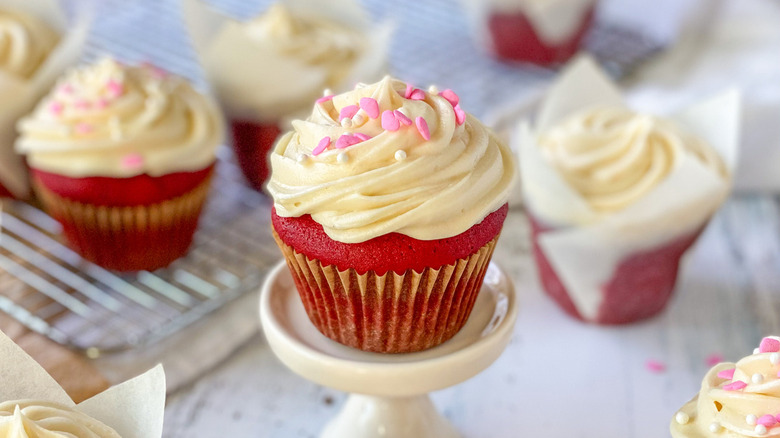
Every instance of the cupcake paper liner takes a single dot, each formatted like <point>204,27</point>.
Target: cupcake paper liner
<point>131,238</point>
<point>390,313</point>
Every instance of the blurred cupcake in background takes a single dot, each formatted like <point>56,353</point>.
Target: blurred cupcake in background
<point>122,157</point>
<point>543,32</point>
<point>616,197</point>
<point>267,71</point>
<point>36,45</point>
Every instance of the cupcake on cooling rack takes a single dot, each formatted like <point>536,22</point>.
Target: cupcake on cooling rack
<point>269,69</point>
<point>388,201</point>
<point>34,49</point>
<point>33,405</point>
<point>616,197</point>
<point>736,399</point>
<point>122,157</point>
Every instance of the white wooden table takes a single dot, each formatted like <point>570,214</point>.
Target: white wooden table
<point>558,377</point>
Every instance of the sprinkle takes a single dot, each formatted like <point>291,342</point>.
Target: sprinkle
<point>735,386</point>
<point>402,118</point>
<point>422,127</point>
<point>761,429</point>
<point>362,137</point>
<point>82,104</point>
<point>342,157</point>
<point>114,88</point>
<point>302,158</point>
<point>132,161</point>
<point>346,140</point>
<point>714,427</point>
<point>358,119</point>
<point>714,359</point>
<point>777,417</point>
<point>774,358</point>
<point>682,418</point>
<point>433,89</point>
<point>348,112</point>
<point>67,89</point>
<point>321,146</point>
<point>757,378</point>
<point>417,94</point>
<point>727,374</point>
<point>327,93</point>
<point>756,350</point>
<point>101,103</point>
<point>370,106</point>
<point>324,99</point>
<point>56,108</point>
<point>769,345</point>
<point>460,115</point>
<point>400,155</point>
<point>403,111</point>
<point>451,97</point>
<point>390,121</point>
<point>767,420</point>
<point>408,92</point>
<point>655,366</point>
<point>346,123</point>
<point>83,128</point>
<point>751,419</point>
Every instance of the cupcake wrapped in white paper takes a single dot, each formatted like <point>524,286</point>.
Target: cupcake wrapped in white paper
<point>38,45</point>
<point>615,197</point>
<point>543,32</point>
<point>33,404</point>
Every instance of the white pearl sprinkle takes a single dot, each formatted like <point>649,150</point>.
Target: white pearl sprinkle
<point>346,123</point>
<point>301,158</point>
<point>682,418</point>
<point>714,427</point>
<point>433,89</point>
<point>774,358</point>
<point>756,350</point>
<point>342,157</point>
<point>761,429</point>
<point>326,92</point>
<point>751,419</point>
<point>358,119</point>
<point>400,155</point>
<point>757,378</point>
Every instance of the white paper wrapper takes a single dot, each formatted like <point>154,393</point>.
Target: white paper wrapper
<point>584,247</point>
<point>555,21</point>
<point>134,409</point>
<point>275,88</point>
<point>19,95</point>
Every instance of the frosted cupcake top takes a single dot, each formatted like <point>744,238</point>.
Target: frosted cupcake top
<point>736,400</point>
<point>388,157</point>
<point>25,42</point>
<point>110,119</point>
<point>38,419</point>
<point>613,156</point>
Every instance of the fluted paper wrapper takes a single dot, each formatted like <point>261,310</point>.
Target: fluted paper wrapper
<point>390,313</point>
<point>292,83</point>
<point>129,238</point>
<point>19,95</point>
<point>134,409</point>
<point>585,257</point>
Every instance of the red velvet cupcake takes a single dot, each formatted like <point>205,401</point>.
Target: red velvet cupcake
<point>122,157</point>
<point>388,221</point>
<point>616,197</point>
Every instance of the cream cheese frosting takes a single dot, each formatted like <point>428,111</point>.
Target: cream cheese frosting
<point>39,419</point>
<point>613,156</point>
<point>273,66</point>
<point>388,157</point>
<point>110,119</point>
<point>25,42</point>
<point>736,400</point>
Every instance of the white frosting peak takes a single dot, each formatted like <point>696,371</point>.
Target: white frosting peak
<point>37,419</point>
<point>24,43</point>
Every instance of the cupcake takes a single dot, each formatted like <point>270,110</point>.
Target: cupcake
<point>32,404</point>
<point>543,32</point>
<point>268,70</point>
<point>736,399</point>
<point>35,49</point>
<point>388,201</point>
<point>615,197</point>
<point>122,157</point>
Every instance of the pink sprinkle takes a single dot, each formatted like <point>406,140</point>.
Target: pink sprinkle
<point>370,106</point>
<point>132,161</point>
<point>389,121</point>
<point>460,115</point>
<point>417,94</point>
<point>321,146</point>
<point>735,386</point>
<point>777,417</point>
<point>67,89</point>
<point>348,112</point>
<point>83,128</point>
<point>362,137</point>
<point>769,345</point>
<point>714,359</point>
<point>402,118</point>
<point>422,126</point>
<point>408,92</point>
<point>451,97</point>
<point>767,420</point>
<point>115,89</point>
<point>56,108</point>
<point>82,104</point>
<point>325,98</point>
<point>346,140</point>
<point>101,103</point>
<point>655,366</point>
<point>727,374</point>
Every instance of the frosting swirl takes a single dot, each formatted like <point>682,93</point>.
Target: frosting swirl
<point>37,419</point>
<point>24,43</point>
<point>743,398</point>
<point>613,156</point>
<point>389,158</point>
<point>114,120</point>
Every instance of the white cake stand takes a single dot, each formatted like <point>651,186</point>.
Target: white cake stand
<point>389,392</point>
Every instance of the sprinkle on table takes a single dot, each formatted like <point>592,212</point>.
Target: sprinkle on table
<point>655,366</point>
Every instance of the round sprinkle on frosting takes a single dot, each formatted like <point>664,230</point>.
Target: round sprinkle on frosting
<point>757,378</point>
<point>342,157</point>
<point>774,358</point>
<point>714,427</point>
<point>400,155</point>
<point>302,158</point>
<point>751,419</point>
<point>682,418</point>
<point>761,429</point>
